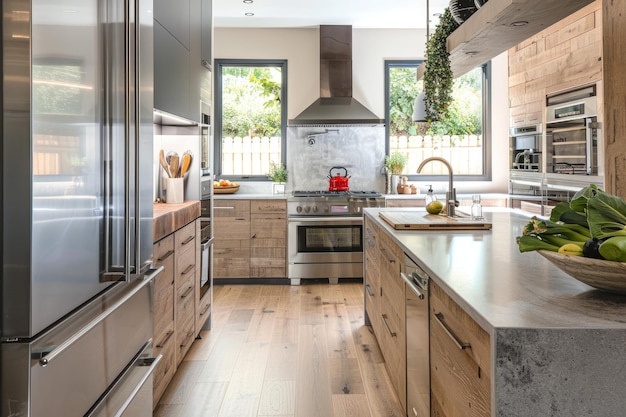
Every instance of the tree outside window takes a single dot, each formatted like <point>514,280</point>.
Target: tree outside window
<point>459,138</point>
<point>250,112</point>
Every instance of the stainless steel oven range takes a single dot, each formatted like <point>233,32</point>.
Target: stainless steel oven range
<point>325,233</point>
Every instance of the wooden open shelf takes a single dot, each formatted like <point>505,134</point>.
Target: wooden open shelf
<point>493,30</point>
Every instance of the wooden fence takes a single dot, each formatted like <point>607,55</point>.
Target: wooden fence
<point>465,153</point>
<point>247,156</point>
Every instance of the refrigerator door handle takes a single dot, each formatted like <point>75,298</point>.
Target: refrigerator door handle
<point>130,260</point>
<point>150,275</point>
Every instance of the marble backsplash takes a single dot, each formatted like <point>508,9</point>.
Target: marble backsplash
<point>313,151</point>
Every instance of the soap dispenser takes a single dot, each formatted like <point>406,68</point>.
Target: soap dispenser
<point>430,196</point>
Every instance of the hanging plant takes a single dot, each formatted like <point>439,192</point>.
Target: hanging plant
<point>438,77</point>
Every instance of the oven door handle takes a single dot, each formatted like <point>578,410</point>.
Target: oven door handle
<point>321,219</point>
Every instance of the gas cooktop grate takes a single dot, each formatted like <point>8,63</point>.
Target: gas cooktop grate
<point>363,194</point>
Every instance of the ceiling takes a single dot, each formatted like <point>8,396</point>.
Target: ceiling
<point>397,14</point>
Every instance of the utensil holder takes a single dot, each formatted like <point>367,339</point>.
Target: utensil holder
<point>175,190</point>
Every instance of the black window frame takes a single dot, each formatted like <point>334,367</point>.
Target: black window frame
<point>217,132</point>
<point>487,136</point>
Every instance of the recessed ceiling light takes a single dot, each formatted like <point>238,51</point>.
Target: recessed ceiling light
<point>249,14</point>
<point>471,53</point>
<point>519,23</point>
<point>248,1</point>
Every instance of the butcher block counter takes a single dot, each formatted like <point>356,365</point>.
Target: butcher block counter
<point>167,218</point>
<point>556,345</point>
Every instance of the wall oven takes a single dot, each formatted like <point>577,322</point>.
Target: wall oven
<point>325,234</point>
<point>572,133</point>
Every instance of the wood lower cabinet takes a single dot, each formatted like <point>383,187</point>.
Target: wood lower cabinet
<point>163,319</point>
<point>185,282</point>
<point>268,238</point>
<point>460,367</point>
<point>250,238</point>
<point>174,315</point>
<point>231,247</point>
<point>385,302</point>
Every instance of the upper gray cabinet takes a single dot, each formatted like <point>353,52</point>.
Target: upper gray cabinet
<point>207,33</point>
<point>180,47</point>
<point>175,18</point>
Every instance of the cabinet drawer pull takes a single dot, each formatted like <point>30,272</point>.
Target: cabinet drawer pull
<point>165,339</point>
<point>393,334</point>
<point>188,269</point>
<point>369,290</point>
<point>182,345</point>
<point>165,255</point>
<point>389,259</point>
<point>189,239</point>
<point>186,293</point>
<point>224,208</point>
<point>461,345</point>
<point>204,310</point>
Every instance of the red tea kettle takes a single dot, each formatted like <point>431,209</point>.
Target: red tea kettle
<point>338,182</point>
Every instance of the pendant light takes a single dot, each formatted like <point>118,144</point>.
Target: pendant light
<point>419,108</point>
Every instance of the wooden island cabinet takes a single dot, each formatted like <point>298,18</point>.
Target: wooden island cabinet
<point>510,335</point>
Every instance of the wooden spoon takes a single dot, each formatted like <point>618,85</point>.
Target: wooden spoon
<point>174,165</point>
<point>164,165</point>
<point>186,164</point>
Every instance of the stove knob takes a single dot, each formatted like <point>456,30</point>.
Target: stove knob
<point>299,209</point>
<point>307,209</point>
<point>314,209</point>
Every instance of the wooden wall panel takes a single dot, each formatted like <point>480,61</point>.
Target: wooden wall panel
<point>614,51</point>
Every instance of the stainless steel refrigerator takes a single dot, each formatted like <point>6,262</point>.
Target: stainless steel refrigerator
<point>76,148</point>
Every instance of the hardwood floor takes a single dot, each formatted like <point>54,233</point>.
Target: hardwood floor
<point>280,350</point>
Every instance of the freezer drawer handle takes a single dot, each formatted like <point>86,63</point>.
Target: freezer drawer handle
<point>101,317</point>
<point>131,397</point>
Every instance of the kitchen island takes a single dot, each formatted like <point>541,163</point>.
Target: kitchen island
<point>555,344</point>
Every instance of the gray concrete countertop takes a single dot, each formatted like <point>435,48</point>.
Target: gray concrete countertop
<point>500,287</point>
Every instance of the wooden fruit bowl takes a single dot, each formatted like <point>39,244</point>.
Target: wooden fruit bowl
<point>226,190</point>
<point>604,275</point>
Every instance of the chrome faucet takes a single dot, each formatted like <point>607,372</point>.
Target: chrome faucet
<point>451,202</point>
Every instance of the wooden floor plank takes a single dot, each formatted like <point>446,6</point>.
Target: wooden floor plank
<point>313,398</point>
<point>283,351</point>
<point>338,331</point>
<point>277,398</point>
<point>350,406</point>
<point>345,376</point>
<point>282,362</point>
<point>205,400</point>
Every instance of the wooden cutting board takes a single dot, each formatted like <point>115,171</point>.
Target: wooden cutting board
<point>419,220</point>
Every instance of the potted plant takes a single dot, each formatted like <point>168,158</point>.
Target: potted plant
<point>438,77</point>
<point>278,174</point>
<point>395,164</point>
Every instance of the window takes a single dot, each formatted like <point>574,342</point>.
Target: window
<point>250,117</point>
<point>462,139</point>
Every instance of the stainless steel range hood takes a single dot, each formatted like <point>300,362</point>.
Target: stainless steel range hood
<point>336,106</point>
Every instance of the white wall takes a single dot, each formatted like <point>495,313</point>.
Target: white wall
<point>370,48</point>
